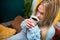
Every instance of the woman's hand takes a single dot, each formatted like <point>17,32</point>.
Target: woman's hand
<point>29,23</point>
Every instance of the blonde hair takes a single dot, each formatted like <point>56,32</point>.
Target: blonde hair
<point>51,10</point>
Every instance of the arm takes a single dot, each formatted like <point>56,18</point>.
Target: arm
<point>33,34</point>
<point>26,34</point>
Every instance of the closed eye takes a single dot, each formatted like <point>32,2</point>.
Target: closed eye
<point>41,12</point>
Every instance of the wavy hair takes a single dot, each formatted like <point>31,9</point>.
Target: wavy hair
<point>51,10</point>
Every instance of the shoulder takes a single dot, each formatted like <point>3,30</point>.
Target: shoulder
<point>51,32</point>
<point>52,29</point>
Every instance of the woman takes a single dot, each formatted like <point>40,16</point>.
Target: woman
<point>46,11</point>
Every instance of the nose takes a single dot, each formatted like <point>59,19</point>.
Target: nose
<point>38,15</point>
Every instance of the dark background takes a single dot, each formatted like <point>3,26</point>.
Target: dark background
<point>9,9</point>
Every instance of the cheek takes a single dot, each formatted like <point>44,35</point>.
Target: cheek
<point>41,17</point>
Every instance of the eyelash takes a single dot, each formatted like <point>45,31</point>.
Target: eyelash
<point>40,12</point>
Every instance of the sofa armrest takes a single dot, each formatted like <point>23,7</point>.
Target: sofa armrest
<point>7,24</point>
<point>16,23</point>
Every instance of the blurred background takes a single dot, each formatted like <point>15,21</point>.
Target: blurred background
<point>9,9</point>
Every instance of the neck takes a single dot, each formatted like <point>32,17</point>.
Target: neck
<point>44,26</point>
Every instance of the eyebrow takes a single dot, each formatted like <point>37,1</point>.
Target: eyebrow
<point>40,12</point>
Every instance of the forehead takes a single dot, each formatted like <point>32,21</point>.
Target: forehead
<point>41,8</point>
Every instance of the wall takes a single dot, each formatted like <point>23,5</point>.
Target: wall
<point>10,9</point>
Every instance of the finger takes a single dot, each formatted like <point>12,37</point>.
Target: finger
<point>31,24</point>
<point>27,25</point>
<point>29,20</point>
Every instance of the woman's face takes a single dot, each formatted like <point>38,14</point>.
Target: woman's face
<point>40,12</point>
